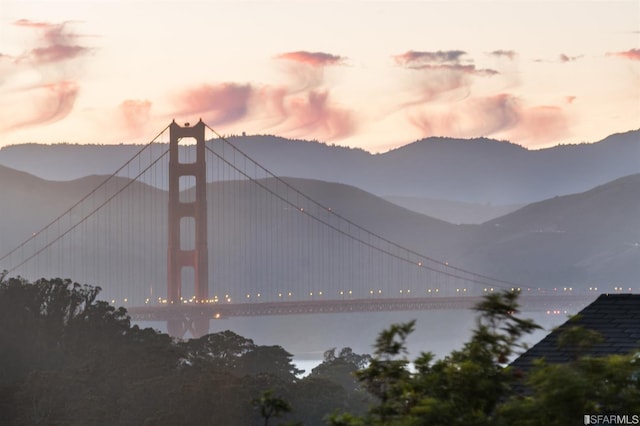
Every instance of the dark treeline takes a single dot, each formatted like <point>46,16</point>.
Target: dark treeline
<point>67,358</point>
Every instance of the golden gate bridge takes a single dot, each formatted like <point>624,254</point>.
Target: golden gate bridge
<point>191,229</point>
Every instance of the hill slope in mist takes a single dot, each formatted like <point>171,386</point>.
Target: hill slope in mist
<point>586,239</point>
<point>581,240</point>
<point>466,170</point>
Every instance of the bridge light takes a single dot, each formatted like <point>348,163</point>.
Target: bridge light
<point>379,291</point>
<point>289,294</point>
<point>350,292</point>
<point>491,288</point>
<point>279,294</point>
<point>408,290</point>
<point>419,263</point>
<point>126,300</point>
<point>248,296</point>
<point>341,293</point>
<point>437,290</point>
<point>113,302</point>
<point>258,294</point>
<point>370,291</point>
<point>320,293</point>
<point>429,291</point>
<point>310,293</point>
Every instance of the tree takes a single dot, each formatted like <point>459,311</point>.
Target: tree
<point>464,388</point>
<point>271,406</point>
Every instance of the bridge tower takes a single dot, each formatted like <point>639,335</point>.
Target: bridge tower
<point>179,257</point>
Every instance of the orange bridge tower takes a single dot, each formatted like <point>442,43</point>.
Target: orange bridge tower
<point>187,215</point>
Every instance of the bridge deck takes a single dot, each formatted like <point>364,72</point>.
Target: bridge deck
<point>533,303</point>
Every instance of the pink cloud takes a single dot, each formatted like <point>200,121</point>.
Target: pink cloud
<point>57,43</point>
<point>510,54</point>
<point>217,104</point>
<point>305,70</point>
<point>440,73</point>
<point>298,108</point>
<point>502,115</point>
<point>413,58</point>
<point>53,55</point>
<point>314,59</point>
<point>135,114</point>
<point>313,115</point>
<point>565,58</point>
<point>631,54</point>
<point>47,103</point>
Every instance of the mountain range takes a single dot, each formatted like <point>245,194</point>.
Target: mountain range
<point>590,238</point>
<point>484,172</point>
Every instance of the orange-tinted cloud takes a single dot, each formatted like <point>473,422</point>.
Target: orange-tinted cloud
<point>502,115</point>
<point>305,70</point>
<point>631,54</point>
<point>315,59</point>
<point>217,104</point>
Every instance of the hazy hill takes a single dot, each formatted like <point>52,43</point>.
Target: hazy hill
<point>584,239</point>
<point>590,238</point>
<point>472,171</point>
<point>457,212</point>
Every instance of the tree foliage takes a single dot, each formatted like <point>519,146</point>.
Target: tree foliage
<point>474,386</point>
<point>68,358</point>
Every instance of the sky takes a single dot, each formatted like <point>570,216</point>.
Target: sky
<point>368,74</point>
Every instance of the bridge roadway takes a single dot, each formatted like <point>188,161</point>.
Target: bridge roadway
<point>552,303</point>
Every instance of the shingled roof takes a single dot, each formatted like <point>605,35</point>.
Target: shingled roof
<point>616,317</point>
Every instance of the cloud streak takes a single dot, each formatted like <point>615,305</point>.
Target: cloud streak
<point>305,70</point>
<point>440,73</point>
<point>631,54</point>
<point>314,59</point>
<point>57,43</point>
<point>48,103</point>
<point>509,54</point>
<point>53,56</point>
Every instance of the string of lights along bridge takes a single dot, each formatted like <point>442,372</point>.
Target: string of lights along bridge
<point>191,228</point>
